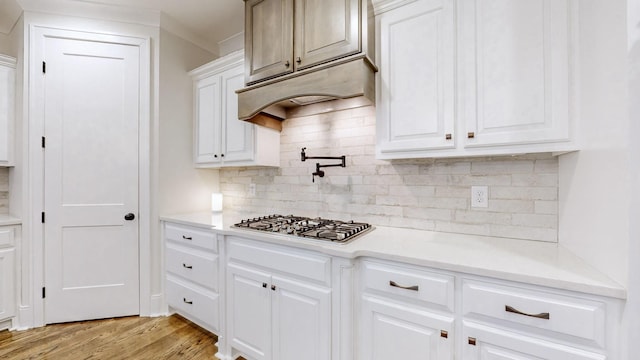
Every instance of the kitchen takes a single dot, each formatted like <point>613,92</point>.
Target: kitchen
<point>544,197</point>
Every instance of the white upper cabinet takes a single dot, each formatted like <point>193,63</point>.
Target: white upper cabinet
<point>220,138</point>
<point>7,108</point>
<point>511,91</point>
<point>415,99</point>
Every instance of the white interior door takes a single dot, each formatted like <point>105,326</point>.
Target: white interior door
<point>91,97</point>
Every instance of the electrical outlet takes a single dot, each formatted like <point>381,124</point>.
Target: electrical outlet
<point>252,189</point>
<point>480,196</point>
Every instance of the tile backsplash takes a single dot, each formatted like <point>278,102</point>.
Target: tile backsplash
<point>4,190</point>
<point>429,194</point>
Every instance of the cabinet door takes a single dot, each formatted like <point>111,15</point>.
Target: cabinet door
<point>485,343</point>
<point>7,94</point>
<point>268,39</point>
<point>208,121</point>
<point>395,331</point>
<point>238,137</point>
<point>249,311</point>
<point>325,30</point>
<point>302,320</point>
<point>514,71</point>
<point>415,85</point>
<point>7,284</point>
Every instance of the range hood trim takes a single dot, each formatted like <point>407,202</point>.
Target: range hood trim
<point>349,77</point>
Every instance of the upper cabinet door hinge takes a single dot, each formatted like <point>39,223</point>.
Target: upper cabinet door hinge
<point>44,67</point>
<point>43,142</point>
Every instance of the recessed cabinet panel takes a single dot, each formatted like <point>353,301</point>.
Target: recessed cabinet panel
<point>415,109</point>
<point>7,283</point>
<point>7,103</point>
<point>238,135</point>
<point>268,38</point>
<point>515,71</point>
<point>325,30</point>
<point>403,331</point>
<point>208,119</point>
<point>487,343</point>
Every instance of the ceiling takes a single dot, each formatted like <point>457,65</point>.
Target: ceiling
<point>210,21</point>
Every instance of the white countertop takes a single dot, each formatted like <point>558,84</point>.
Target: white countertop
<point>532,262</point>
<point>9,220</point>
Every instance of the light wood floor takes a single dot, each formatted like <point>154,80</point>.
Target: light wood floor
<point>128,338</point>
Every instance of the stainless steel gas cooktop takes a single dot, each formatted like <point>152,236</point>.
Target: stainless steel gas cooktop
<point>313,228</point>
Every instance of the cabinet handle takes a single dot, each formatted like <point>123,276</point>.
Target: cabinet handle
<point>187,266</point>
<point>472,341</point>
<point>298,60</point>
<point>221,155</point>
<point>412,288</point>
<point>264,285</point>
<point>447,136</point>
<point>273,287</point>
<point>287,64</point>
<point>444,334</point>
<point>184,300</point>
<point>215,155</point>
<point>471,135</point>
<point>510,309</point>
<point>187,237</point>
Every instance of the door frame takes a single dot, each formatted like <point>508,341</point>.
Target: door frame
<point>32,269</point>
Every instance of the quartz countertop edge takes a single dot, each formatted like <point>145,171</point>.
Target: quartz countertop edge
<point>6,220</point>
<point>532,262</point>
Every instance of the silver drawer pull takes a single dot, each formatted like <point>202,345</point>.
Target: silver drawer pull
<point>187,237</point>
<point>184,300</point>
<point>413,288</point>
<point>187,266</point>
<point>510,309</point>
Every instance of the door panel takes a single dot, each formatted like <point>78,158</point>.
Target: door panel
<point>302,320</point>
<point>91,179</point>
<point>239,137</point>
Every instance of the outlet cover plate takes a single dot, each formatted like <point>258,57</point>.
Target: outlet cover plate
<point>479,196</point>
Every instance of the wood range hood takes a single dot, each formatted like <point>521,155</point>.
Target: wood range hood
<point>269,102</point>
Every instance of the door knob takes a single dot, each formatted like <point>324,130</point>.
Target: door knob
<point>129,217</point>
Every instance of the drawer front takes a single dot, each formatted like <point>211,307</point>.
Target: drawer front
<point>7,236</point>
<point>191,236</point>
<point>197,266</point>
<point>194,304</point>
<point>409,282</point>
<point>287,260</point>
<point>575,316</point>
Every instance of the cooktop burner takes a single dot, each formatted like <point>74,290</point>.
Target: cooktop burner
<point>314,228</point>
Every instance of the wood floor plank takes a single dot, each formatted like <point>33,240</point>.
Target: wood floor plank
<point>128,338</point>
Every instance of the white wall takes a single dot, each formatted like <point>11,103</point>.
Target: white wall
<point>182,188</point>
<point>632,313</point>
<point>595,182</point>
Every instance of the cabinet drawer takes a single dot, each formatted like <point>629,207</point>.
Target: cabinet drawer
<point>575,316</point>
<point>7,237</point>
<point>409,282</point>
<point>195,304</point>
<point>191,236</point>
<point>287,260</point>
<point>197,266</point>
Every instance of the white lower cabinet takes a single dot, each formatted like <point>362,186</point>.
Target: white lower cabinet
<point>8,236</point>
<point>192,274</point>
<point>406,313</point>
<point>279,302</point>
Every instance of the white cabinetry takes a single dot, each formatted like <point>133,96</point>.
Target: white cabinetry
<point>193,274</point>
<point>8,236</point>
<point>512,91</point>
<point>279,302</point>
<point>407,313</point>
<point>7,108</point>
<point>507,321</point>
<point>221,139</point>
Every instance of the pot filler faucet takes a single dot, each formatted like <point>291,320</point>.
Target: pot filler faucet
<point>318,172</point>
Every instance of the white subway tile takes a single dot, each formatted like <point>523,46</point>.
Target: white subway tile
<point>546,207</point>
